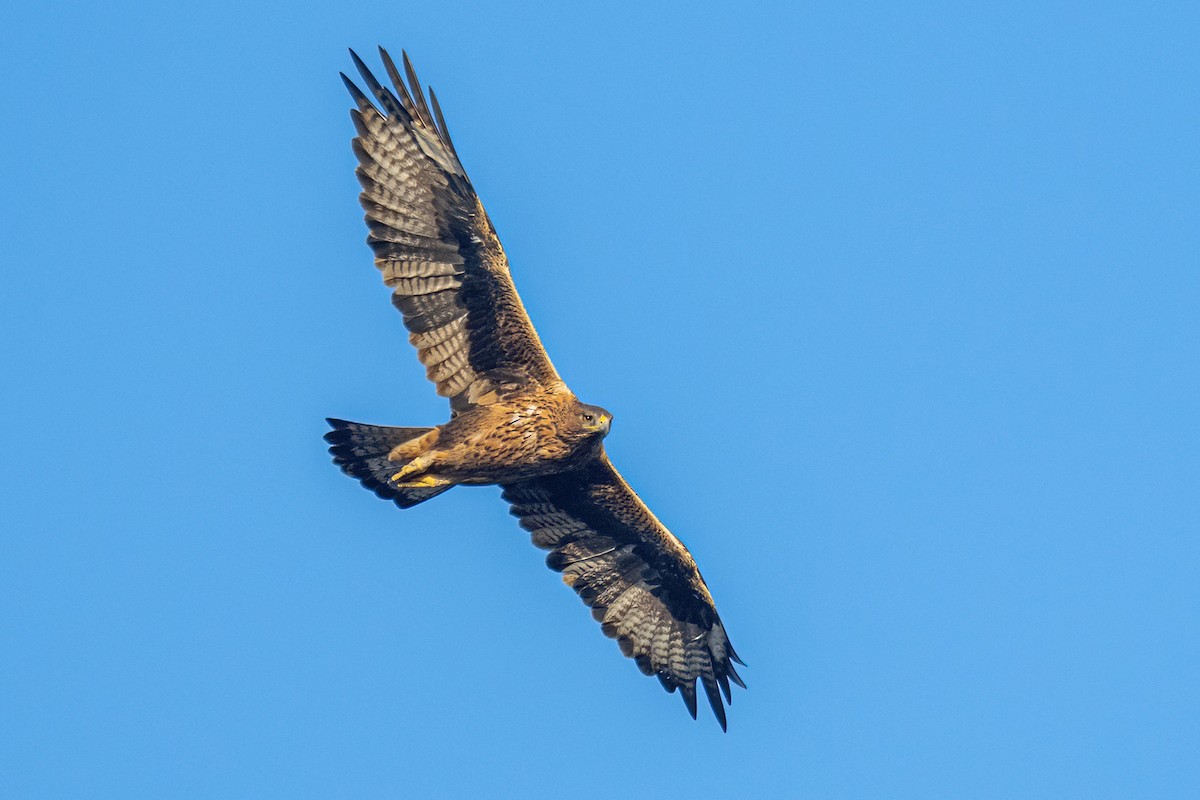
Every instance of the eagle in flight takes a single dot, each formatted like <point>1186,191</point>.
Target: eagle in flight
<point>513,421</point>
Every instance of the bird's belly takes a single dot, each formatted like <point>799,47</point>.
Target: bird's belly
<point>511,445</point>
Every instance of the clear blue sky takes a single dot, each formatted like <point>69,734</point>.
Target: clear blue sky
<point>896,308</point>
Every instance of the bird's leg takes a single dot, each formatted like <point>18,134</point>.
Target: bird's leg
<point>414,467</point>
<point>409,450</point>
<point>420,455</point>
<point>423,482</point>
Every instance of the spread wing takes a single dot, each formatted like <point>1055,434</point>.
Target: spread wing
<point>436,247</point>
<point>640,581</point>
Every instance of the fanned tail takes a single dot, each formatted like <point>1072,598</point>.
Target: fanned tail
<point>361,451</point>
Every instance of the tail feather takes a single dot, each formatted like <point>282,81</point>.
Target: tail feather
<point>361,452</point>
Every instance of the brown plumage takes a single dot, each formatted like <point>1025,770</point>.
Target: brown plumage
<point>513,420</point>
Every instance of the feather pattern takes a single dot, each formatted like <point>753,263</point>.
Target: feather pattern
<point>513,422</point>
<point>640,581</point>
<point>435,245</point>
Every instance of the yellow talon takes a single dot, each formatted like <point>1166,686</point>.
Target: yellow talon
<point>405,473</point>
<point>423,482</point>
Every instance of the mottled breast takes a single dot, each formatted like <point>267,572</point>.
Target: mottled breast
<point>520,437</point>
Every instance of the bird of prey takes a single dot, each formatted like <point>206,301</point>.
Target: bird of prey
<point>513,422</point>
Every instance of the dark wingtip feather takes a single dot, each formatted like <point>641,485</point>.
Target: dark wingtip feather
<point>723,679</point>
<point>386,99</point>
<point>443,131</point>
<point>359,64</point>
<point>359,98</point>
<point>418,95</point>
<point>714,699</point>
<point>733,675</point>
<point>688,692</point>
<point>390,66</point>
<point>372,84</point>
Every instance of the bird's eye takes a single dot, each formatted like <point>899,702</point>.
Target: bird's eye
<point>588,418</point>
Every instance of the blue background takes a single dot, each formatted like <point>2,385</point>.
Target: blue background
<point>895,305</point>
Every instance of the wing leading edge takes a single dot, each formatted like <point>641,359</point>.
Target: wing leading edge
<point>439,252</point>
<point>641,583</point>
<point>435,245</point>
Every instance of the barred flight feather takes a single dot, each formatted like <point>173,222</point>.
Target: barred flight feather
<point>438,252</point>
<point>641,583</point>
<point>425,220</point>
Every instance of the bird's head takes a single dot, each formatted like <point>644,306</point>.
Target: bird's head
<point>594,420</point>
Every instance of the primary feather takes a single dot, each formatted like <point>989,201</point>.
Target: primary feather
<point>514,422</point>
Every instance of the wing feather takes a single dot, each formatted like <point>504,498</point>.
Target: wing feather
<point>640,581</point>
<point>434,244</point>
